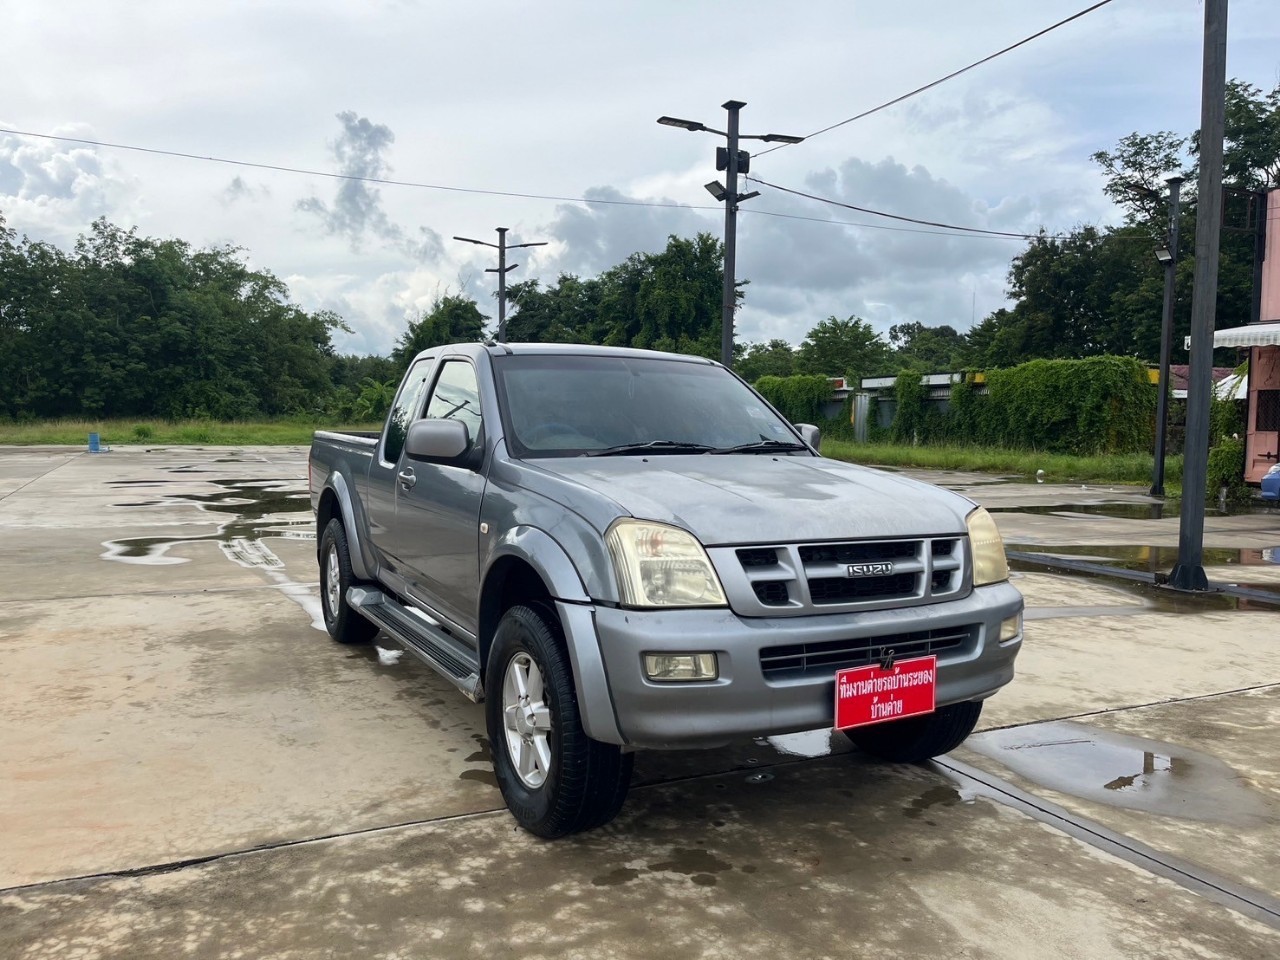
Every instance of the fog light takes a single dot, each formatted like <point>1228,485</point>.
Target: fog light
<point>665,667</point>
<point>1010,628</point>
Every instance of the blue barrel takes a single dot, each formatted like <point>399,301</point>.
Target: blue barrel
<point>95,443</point>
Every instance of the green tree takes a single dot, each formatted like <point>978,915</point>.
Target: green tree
<point>453,318</point>
<point>844,348</point>
<point>777,358</point>
<point>933,349</point>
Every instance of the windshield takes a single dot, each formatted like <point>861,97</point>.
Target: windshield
<point>564,406</point>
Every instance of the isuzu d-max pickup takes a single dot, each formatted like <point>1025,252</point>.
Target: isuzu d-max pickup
<point>620,550</point>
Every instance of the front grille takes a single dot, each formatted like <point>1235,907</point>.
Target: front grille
<point>825,590</point>
<point>758,557</point>
<point>858,552</point>
<point>793,579</point>
<point>799,660</point>
<point>772,593</point>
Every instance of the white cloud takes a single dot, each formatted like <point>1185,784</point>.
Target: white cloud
<point>569,110</point>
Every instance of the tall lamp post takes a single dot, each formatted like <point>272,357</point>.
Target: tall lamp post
<point>733,161</point>
<point>1168,256</point>
<point>501,270</point>
<point>1188,573</point>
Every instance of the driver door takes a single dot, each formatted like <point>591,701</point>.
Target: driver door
<point>438,508</point>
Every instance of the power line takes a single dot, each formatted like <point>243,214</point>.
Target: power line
<point>384,181</point>
<point>949,76</point>
<point>381,181</point>
<point>872,226</point>
<point>895,216</point>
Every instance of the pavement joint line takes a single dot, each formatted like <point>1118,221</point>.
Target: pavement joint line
<point>172,866</point>
<point>1133,706</point>
<point>1106,570</point>
<point>157,593</point>
<point>1251,902</point>
<point>42,476</point>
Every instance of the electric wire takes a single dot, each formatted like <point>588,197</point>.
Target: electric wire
<point>941,80</point>
<point>896,216</point>
<point>380,181</point>
<point>964,232</point>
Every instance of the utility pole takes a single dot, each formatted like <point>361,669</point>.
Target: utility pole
<point>729,294</point>
<point>733,161</point>
<point>501,270</point>
<point>1188,573</point>
<point>1170,261</point>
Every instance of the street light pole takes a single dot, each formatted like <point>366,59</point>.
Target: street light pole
<point>501,270</point>
<point>1188,573</point>
<point>733,161</point>
<point>1166,337</point>
<point>729,296</point>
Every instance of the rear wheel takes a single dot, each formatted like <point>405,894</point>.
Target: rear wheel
<point>917,739</point>
<point>342,622</point>
<point>555,779</point>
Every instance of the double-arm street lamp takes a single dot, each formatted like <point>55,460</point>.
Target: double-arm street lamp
<point>501,270</point>
<point>733,161</point>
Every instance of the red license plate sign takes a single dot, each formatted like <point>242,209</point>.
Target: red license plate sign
<point>871,694</point>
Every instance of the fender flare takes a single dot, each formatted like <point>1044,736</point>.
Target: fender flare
<point>574,607</point>
<point>548,559</point>
<point>346,510</point>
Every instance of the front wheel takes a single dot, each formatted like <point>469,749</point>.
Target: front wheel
<point>555,779</point>
<point>917,739</point>
<point>342,622</point>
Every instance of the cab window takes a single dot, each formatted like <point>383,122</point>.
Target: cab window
<point>403,410</point>
<point>457,397</point>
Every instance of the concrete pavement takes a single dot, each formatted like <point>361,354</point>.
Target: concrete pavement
<point>168,699</point>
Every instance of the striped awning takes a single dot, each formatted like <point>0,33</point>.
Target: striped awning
<point>1253,335</point>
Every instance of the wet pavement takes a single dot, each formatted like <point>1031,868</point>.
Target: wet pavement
<point>223,780</point>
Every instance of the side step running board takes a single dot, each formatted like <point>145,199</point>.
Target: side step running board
<point>454,661</point>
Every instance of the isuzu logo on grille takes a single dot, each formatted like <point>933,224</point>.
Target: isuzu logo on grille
<point>868,569</point>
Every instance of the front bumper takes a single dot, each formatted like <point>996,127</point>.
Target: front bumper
<point>742,702</point>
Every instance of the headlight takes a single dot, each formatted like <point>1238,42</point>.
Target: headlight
<point>661,566</point>
<point>989,563</point>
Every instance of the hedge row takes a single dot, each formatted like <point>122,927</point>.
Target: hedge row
<point>801,399</point>
<point>1097,405</point>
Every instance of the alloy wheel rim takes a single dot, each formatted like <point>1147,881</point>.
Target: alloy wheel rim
<point>332,582</point>
<point>527,720</point>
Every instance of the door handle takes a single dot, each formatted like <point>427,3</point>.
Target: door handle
<point>407,479</point>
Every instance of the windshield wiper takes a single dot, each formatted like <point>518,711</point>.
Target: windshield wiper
<point>763,446</point>
<point>653,446</point>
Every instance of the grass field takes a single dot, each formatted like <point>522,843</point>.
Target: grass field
<point>1058,468</point>
<point>119,433</point>
<point>1132,468</point>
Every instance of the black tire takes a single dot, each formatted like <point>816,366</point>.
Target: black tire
<point>343,623</point>
<point>917,739</point>
<point>586,781</point>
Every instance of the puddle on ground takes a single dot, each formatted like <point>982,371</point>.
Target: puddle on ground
<point>1124,771</point>
<point>1157,562</point>
<point>255,511</point>
<point>1126,510</point>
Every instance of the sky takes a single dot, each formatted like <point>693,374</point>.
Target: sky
<point>560,98</point>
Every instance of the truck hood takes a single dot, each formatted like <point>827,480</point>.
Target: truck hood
<point>727,500</point>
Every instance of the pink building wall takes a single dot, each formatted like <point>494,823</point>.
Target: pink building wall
<point>1271,265</point>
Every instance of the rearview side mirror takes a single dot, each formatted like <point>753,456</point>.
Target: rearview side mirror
<point>439,440</point>
<point>810,435</point>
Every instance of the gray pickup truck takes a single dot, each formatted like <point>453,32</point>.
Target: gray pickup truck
<point>620,550</point>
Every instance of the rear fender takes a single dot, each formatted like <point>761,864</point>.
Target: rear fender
<point>337,483</point>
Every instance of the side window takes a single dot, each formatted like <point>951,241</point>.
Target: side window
<point>457,396</point>
<point>406,406</point>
